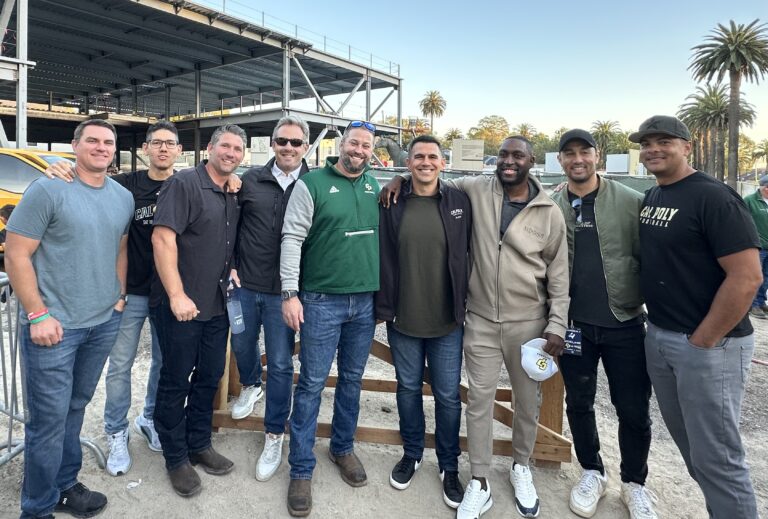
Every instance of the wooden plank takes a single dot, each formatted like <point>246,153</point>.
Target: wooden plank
<point>501,447</point>
<point>552,398</point>
<point>222,393</point>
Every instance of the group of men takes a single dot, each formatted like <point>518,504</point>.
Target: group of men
<point>467,269</point>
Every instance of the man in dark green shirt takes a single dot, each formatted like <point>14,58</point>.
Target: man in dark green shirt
<point>424,241</point>
<point>757,203</point>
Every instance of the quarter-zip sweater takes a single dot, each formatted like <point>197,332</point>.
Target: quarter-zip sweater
<point>524,275</point>
<point>263,203</point>
<point>617,217</point>
<point>331,233</point>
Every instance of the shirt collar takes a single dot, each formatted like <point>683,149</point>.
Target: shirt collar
<point>277,172</point>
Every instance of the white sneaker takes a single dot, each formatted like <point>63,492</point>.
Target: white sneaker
<point>587,493</point>
<point>476,501</point>
<point>639,501</point>
<point>146,428</point>
<point>270,457</point>
<point>119,460</point>
<point>526,498</point>
<point>243,406</point>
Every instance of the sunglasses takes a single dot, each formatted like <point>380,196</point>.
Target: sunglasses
<point>283,141</point>
<point>362,124</point>
<point>576,204</point>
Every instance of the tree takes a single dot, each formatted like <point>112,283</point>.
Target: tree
<point>761,151</point>
<point>746,153</point>
<point>707,114</point>
<point>741,51</point>
<point>492,129</point>
<point>451,135</point>
<point>432,105</point>
<point>526,130</point>
<point>543,144</point>
<point>603,131</point>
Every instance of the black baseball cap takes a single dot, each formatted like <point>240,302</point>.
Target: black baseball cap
<point>664,124</point>
<point>576,133</point>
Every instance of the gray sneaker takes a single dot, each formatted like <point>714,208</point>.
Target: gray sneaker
<point>757,312</point>
<point>146,428</point>
<point>119,459</point>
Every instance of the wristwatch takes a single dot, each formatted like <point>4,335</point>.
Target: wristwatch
<point>124,298</point>
<point>285,295</point>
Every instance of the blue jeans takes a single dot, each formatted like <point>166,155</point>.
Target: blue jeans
<point>118,381</point>
<point>60,382</point>
<point>194,353</point>
<point>262,308</point>
<point>760,296</point>
<point>443,355</point>
<point>339,325</point>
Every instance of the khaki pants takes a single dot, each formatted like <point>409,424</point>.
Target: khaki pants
<point>486,344</point>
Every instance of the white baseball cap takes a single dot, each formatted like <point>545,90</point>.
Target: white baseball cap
<point>537,363</point>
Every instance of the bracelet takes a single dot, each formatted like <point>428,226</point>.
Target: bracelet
<point>35,315</point>
<point>39,319</point>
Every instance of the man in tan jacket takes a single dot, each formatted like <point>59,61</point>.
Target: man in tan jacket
<point>518,290</point>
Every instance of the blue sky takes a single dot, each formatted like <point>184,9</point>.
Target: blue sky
<point>547,63</point>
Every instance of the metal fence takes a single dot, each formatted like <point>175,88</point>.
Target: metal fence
<point>13,408</point>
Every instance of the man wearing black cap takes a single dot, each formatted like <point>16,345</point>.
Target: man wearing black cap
<point>700,271</point>
<point>757,203</point>
<point>601,217</point>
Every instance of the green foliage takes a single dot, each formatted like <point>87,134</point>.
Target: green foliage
<point>431,105</point>
<point>492,129</point>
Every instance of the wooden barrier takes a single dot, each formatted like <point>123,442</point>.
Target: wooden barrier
<point>551,448</point>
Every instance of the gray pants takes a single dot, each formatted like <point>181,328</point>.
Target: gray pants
<point>699,391</point>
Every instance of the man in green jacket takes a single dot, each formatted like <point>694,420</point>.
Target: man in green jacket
<point>757,203</point>
<point>331,243</point>
<point>606,317</point>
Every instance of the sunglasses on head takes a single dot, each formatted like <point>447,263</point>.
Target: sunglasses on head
<point>283,141</point>
<point>362,124</point>
<point>576,204</point>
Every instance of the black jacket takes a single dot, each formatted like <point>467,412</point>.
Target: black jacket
<point>262,203</point>
<point>456,214</point>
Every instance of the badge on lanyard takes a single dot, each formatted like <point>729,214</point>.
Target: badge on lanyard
<point>573,341</point>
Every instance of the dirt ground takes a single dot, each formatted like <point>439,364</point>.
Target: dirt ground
<point>145,491</point>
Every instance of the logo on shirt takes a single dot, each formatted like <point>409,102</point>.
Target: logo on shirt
<point>657,216</point>
<point>145,214</point>
<point>533,232</point>
<point>457,213</point>
<point>368,187</point>
<point>334,189</point>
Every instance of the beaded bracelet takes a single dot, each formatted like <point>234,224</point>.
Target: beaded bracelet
<point>39,319</point>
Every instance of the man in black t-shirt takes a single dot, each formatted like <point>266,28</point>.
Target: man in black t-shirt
<point>606,308</point>
<point>700,270</point>
<point>423,248</point>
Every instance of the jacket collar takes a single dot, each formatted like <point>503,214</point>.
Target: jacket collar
<point>265,173</point>
<point>542,198</point>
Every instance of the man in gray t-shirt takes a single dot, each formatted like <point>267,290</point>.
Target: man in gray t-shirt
<point>66,258</point>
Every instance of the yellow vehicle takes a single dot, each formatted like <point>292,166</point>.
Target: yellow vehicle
<point>18,168</point>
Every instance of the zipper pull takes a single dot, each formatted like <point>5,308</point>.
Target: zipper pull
<point>500,242</point>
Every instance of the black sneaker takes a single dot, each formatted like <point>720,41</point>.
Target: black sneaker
<point>81,502</point>
<point>453,490</point>
<point>402,474</point>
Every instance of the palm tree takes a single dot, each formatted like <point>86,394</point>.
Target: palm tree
<point>741,51</point>
<point>707,115</point>
<point>451,135</point>
<point>761,150</point>
<point>526,130</point>
<point>603,131</point>
<point>432,105</point>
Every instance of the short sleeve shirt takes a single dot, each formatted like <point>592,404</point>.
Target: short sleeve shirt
<point>79,228</point>
<point>684,228</point>
<point>204,219</point>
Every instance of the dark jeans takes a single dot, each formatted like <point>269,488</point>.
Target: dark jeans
<point>443,355</point>
<point>623,355</point>
<point>279,340</point>
<point>760,296</point>
<point>196,348</point>
<point>60,381</point>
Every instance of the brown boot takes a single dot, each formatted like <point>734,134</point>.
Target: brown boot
<point>352,470</point>
<point>185,480</point>
<point>300,497</point>
<point>212,462</point>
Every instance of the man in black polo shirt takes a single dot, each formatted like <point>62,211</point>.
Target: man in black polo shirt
<point>700,270</point>
<point>193,239</point>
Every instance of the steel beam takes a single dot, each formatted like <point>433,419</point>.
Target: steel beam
<point>22,31</point>
<point>312,87</point>
<point>351,94</point>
